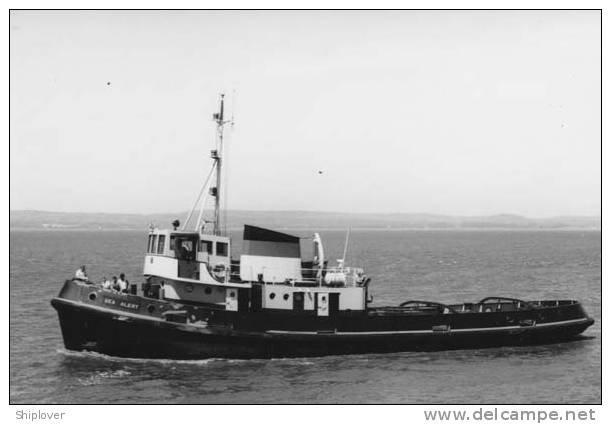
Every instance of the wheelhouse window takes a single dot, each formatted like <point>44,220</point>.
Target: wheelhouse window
<point>185,246</point>
<point>161,244</point>
<point>206,246</point>
<point>153,243</point>
<point>149,247</point>
<point>221,249</point>
<point>172,242</point>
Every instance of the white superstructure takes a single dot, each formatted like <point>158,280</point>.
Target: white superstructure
<point>194,265</point>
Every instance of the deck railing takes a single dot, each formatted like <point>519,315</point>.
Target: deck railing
<point>329,276</point>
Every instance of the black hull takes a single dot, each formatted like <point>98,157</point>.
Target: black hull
<point>124,334</point>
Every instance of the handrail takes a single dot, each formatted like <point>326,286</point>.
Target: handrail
<point>345,269</point>
<point>428,303</point>
<point>499,298</point>
<point>355,275</point>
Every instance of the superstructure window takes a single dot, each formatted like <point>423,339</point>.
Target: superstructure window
<point>187,245</point>
<point>206,246</point>
<point>221,248</point>
<point>149,247</point>
<point>153,243</point>
<point>185,248</point>
<point>161,244</point>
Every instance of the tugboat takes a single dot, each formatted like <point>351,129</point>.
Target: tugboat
<point>197,302</point>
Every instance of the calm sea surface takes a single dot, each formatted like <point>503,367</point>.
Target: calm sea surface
<point>434,265</point>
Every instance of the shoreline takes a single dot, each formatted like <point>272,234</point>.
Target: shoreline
<point>381,229</point>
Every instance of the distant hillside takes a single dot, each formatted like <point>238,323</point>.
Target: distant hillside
<point>300,219</point>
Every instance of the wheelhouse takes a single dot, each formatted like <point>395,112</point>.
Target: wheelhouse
<point>189,246</point>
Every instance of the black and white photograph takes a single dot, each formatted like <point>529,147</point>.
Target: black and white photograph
<point>306,207</point>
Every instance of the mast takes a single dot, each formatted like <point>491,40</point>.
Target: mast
<point>217,156</point>
<point>215,191</point>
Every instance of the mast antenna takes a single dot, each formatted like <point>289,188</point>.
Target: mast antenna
<point>217,155</point>
<point>215,191</point>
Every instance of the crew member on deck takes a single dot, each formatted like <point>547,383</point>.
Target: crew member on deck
<point>115,283</point>
<point>123,283</point>
<point>162,291</point>
<point>81,274</point>
<point>106,284</point>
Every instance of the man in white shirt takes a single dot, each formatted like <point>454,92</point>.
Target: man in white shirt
<point>123,283</point>
<point>106,284</point>
<point>81,274</point>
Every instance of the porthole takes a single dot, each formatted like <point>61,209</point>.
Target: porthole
<point>272,295</point>
<point>92,296</point>
<point>232,294</point>
<point>207,290</point>
<point>150,308</point>
<point>286,296</point>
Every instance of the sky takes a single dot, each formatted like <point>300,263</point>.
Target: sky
<point>444,112</point>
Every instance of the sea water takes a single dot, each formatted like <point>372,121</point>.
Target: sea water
<point>444,266</point>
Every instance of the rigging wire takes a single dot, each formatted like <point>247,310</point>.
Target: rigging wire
<point>346,246</point>
<point>199,196</point>
<point>225,191</point>
<point>201,211</point>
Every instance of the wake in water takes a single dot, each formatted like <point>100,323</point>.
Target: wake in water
<point>199,362</point>
<point>101,376</point>
<point>118,359</point>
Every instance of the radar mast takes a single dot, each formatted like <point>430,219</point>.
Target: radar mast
<point>215,190</point>
<point>217,155</point>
